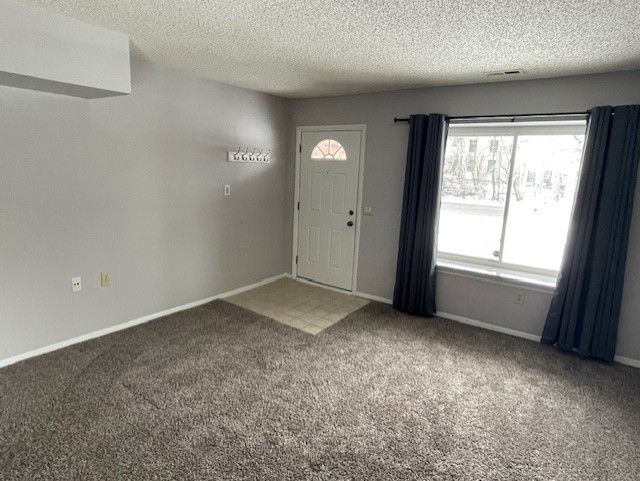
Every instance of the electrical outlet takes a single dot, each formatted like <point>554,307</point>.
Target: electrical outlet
<point>367,210</point>
<point>76,284</point>
<point>519,298</point>
<point>105,279</point>
<point>227,190</point>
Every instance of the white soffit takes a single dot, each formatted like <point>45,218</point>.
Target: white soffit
<point>313,48</point>
<point>45,51</point>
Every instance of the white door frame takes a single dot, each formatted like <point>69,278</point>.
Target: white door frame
<point>362,128</point>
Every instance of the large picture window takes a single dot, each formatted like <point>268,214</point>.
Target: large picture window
<point>507,193</point>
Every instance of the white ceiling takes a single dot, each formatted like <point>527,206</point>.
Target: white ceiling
<point>311,48</point>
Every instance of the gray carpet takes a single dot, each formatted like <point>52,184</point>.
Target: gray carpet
<point>219,392</point>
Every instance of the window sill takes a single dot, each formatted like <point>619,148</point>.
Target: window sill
<point>535,282</point>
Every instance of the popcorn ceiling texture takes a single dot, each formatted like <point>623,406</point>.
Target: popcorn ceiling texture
<point>313,47</point>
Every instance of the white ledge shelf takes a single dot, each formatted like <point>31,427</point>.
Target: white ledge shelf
<point>525,280</point>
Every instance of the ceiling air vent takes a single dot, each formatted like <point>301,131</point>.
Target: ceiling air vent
<point>505,73</point>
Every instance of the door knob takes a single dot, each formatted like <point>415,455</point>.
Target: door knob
<point>350,212</point>
<point>350,223</point>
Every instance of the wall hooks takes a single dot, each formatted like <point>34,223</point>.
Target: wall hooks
<point>246,154</point>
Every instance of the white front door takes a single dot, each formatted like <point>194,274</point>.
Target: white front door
<point>329,166</point>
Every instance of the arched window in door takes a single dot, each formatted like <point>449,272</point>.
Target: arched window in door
<point>329,149</point>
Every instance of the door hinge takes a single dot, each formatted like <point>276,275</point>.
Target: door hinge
<point>298,205</point>
<point>300,148</point>
<point>296,259</point>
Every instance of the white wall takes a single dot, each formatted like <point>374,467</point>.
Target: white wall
<point>384,182</point>
<point>132,185</point>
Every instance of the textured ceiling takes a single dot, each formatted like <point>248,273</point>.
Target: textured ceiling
<point>311,47</point>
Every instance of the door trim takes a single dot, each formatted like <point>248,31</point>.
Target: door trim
<point>362,128</point>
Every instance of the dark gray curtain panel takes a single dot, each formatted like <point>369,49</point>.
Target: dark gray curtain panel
<point>585,308</point>
<point>415,289</point>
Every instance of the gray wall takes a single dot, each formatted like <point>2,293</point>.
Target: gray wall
<point>132,185</point>
<point>384,177</point>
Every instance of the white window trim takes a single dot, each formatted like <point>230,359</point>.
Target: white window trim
<point>498,275</point>
<point>494,265</point>
<point>492,129</point>
<point>496,270</point>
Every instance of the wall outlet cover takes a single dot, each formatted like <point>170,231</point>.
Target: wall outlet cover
<point>76,284</point>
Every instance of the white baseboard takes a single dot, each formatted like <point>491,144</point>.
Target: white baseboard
<point>322,286</point>
<point>372,297</point>
<point>627,361</point>
<point>525,335</point>
<point>490,327</point>
<point>141,320</point>
<point>342,291</point>
<point>242,289</point>
<point>134,322</point>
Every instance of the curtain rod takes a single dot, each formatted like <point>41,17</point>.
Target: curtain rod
<point>502,116</point>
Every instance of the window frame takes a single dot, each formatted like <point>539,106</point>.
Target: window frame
<point>329,157</point>
<point>489,128</point>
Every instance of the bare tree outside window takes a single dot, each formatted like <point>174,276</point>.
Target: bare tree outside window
<point>480,171</point>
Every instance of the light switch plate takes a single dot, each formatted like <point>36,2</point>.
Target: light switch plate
<point>227,190</point>
<point>519,298</point>
<point>105,279</point>
<point>367,210</point>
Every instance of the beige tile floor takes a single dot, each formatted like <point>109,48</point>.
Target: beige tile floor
<point>306,307</point>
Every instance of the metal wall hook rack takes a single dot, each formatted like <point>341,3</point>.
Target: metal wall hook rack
<point>253,155</point>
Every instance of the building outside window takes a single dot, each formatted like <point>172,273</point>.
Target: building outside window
<point>508,204</point>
